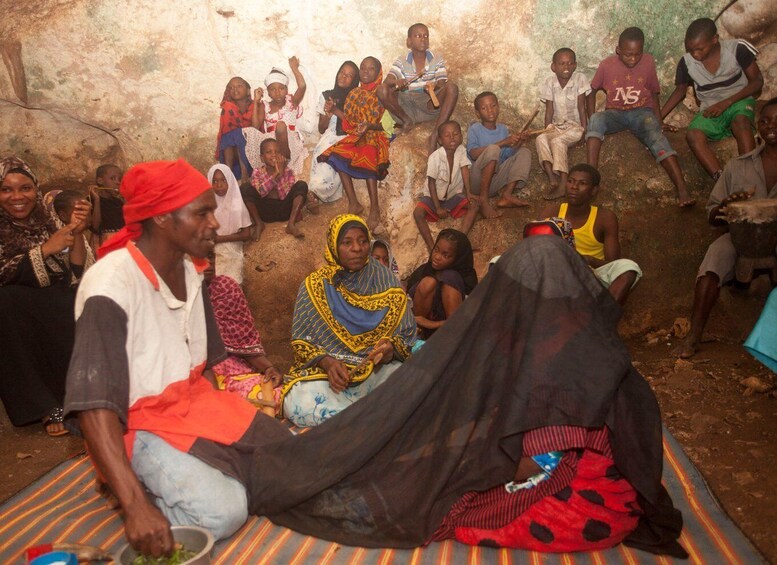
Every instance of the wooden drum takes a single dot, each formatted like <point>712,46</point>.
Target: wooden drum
<point>753,227</point>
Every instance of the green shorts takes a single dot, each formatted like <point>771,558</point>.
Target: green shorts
<point>720,127</point>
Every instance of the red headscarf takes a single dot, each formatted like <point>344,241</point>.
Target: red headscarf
<point>151,189</point>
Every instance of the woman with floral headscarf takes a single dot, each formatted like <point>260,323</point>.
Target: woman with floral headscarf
<point>40,264</point>
<point>352,328</point>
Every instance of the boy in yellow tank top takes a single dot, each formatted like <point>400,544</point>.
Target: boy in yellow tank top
<point>596,232</point>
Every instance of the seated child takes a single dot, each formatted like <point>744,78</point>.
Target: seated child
<point>246,371</point>
<point>630,81</point>
<point>726,79</point>
<point>380,250</point>
<point>276,195</point>
<point>439,286</point>
<point>107,204</point>
<point>501,163</point>
<point>595,232</point>
<point>324,181</point>
<point>564,94</point>
<point>405,91</point>
<point>363,153</point>
<point>237,110</point>
<point>447,171</point>
<point>277,119</point>
<point>234,223</point>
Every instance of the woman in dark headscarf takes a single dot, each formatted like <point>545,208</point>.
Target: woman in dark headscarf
<point>325,183</point>
<point>351,328</point>
<point>530,364</point>
<point>439,286</point>
<point>40,264</point>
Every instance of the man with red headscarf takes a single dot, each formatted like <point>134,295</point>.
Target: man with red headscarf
<point>145,340</point>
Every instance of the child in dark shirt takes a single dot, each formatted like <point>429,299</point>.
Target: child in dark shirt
<point>107,203</point>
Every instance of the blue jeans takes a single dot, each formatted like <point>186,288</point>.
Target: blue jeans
<point>188,491</point>
<point>642,122</point>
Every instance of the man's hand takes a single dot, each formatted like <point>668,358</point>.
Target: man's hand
<point>668,127</point>
<point>716,109</point>
<point>441,212</point>
<point>337,373</point>
<point>735,197</point>
<point>147,530</point>
<point>401,84</point>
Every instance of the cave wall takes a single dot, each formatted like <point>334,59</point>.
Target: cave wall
<point>105,80</point>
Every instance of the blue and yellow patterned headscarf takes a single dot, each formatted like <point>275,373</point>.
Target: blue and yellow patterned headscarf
<point>344,313</point>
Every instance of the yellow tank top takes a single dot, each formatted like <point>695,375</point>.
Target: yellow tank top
<point>585,240</point>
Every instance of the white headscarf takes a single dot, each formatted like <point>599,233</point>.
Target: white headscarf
<point>231,213</point>
<point>276,75</point>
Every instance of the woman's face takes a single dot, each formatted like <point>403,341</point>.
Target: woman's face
<point>353,249</point>
<point>18,196</point>
<point>220,185</point>
<point>379,253</point>
<point>368,71</point>
<point>443,254</point>
<point>346,76</point>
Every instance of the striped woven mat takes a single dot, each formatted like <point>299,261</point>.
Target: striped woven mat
<point>63,506</point>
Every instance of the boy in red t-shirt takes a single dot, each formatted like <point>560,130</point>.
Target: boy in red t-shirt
<point>630,81</point>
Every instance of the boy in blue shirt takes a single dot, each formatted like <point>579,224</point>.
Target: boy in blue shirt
<point>500,162</point>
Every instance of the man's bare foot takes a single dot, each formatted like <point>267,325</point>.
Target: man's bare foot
<point>553,192</point>
<point>687,348</point>
<point>313,205</point>
<point>510,201</point>
<point>294,230</point>
<point>687,202</point>
<point>355,208</point>
<point>404,127</point>
<point>373,222</point>
<point>488,211</point>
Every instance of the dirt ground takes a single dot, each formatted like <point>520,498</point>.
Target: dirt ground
<point>729,432</point>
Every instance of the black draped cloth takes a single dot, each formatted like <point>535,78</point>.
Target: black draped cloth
<point>534,345</point>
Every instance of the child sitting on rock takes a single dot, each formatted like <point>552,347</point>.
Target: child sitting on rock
<point>237,111</point>
<point>726,78</point>
<point>564,94</point>
<point>277,119</point>
<point>107,204</point>
<point>276,195</point>
<point>629,78</point>
<point>447,171</point>
<point>234,223</point>
<point>439,286</point>
<point>501,163</point>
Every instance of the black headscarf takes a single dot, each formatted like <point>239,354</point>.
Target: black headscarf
<point>464,263</point>
<point>385,472</point>
<point>339,94</point>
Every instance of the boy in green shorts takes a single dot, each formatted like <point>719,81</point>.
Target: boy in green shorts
<point>726,78</point>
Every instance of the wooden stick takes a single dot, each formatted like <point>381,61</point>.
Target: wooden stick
<point>529,121</point>
<point>433,95</point>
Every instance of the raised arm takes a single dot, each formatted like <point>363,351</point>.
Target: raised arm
<point>257,118</point>
<point>147,530</point>
<point>296,99</point>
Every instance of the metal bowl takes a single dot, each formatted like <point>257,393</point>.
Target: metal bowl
<point>192,538</point>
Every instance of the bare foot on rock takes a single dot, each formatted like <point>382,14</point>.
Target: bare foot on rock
<point>488,211</point>
<point>294,230</point>
<point>687,348</point>
<point>510,201</point>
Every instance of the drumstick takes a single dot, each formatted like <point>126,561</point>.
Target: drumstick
<point>364,363</point>
<point>529,121</point>
<point>433,95</point>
